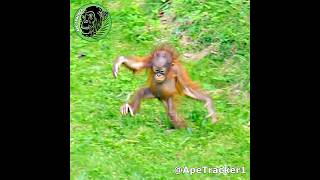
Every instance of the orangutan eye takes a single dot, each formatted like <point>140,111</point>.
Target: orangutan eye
<point>160,70</point>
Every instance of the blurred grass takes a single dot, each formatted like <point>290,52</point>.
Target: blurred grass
<point>104,145</point>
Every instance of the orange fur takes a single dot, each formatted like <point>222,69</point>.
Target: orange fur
<point>175,81</point>
<point>176,71</point>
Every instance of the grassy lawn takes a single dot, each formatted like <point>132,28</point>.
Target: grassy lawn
<point>106,145</point>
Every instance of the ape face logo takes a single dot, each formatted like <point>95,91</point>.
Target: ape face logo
<point>88,22</point>
<point>92,22</point>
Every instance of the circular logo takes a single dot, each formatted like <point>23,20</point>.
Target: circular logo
<point>92,22</point>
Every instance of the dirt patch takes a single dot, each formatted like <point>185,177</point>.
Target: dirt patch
<point>229,63</point>
<point>168,22</point>
<point>201,54</point>
<point>114,5</point>
<point>185,40</point>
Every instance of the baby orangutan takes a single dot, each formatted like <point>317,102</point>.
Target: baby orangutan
<point>166,79</point>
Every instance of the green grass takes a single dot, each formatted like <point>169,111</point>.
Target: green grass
<point>105,145</point>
